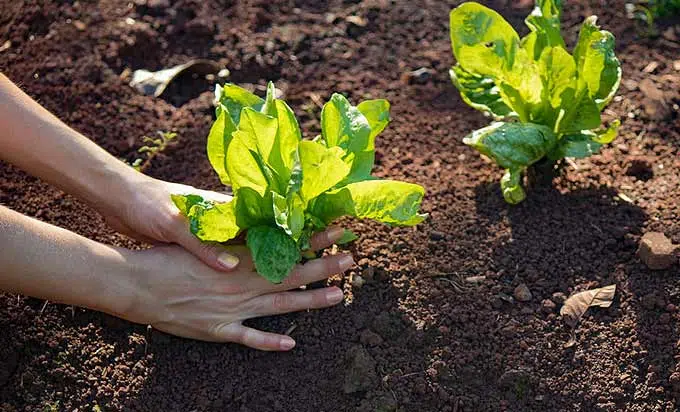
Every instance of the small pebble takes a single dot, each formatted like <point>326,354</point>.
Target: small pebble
<point>548,306</point>
<point>522,293</point>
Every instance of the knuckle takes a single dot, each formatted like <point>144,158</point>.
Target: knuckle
<point>330,265</point>
<point>295,278</point>
<point>283,302</point>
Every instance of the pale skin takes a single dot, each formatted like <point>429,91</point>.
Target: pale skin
<point>180,286</point>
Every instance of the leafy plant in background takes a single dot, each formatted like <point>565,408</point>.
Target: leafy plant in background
<point>286,188</point>
<point>546,102</point>
<point>649,11</point>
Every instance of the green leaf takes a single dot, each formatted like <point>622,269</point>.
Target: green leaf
<point>522,88</point>
<point>213,222</point>
<point>242,166</point>
<point>511,185</point>
<point>608,135</point>
<point>289,135</point>
<point>558,71</point>
<point>344,125</point>
<point>274,253</point>
<point>322,168</point>
<point>253,209</point>
<point>550,10</point>
<point>578,113</point>
<point>577,146</point>
<point>586,143</point>
<point>289,214</point>
<point>513,145</point>
<point>544,23</point>
<point>362,165</point>
<point>347,237</point>
<point>262,133</point>
<point>387,201</point>
<point>482,41</point>
<point>218,142</point>
<point>377,112</point>
<point>598,67</point>
<point>234,99</point>
<point>479,92</point>
<point>185,202</point>
<point>269,107</point>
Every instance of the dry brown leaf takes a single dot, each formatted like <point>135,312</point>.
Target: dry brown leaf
<point>576,306</point>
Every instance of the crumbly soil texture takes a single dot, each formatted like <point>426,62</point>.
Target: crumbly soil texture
<point>435,327</point>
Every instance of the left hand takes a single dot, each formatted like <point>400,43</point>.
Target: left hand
<point>149,215</point>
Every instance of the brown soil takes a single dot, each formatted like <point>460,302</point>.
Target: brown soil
<point>409,341</point>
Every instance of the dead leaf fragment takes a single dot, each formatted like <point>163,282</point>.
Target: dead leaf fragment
<point>6,45</point>
<point>576,306</point>
<point>651,67</point>
<point>357,21</point>
<point>155,83</point>
<point>79,25</point>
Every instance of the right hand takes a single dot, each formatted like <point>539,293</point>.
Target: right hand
<point>178,294</point>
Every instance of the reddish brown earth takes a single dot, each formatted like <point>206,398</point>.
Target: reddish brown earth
<point>409,341</point>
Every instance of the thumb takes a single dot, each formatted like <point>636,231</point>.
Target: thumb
<point>212,255</point>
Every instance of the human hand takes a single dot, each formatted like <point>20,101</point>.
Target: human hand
<point>177,294</point>
<point>149,215</point>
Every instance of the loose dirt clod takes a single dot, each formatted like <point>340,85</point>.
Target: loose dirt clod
<point>655,101</point>
<point>657,251</point>
<point>360,375</point>
<point>358,281</point>
<point>370,338</point>
<point>522,293</point>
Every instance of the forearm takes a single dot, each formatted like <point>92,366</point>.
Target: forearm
<point>37,142</point>
<point>44,261</point>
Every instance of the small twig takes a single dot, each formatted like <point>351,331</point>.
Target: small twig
<point>44,306</point>
<point>410,374</point>
<point>572,163</point>
<point>458,283</point>
<point>290,329</point>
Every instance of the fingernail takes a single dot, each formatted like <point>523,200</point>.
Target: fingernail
<point>227,260</point>
<point>346,262</point>
<point>287,343</point>
<point>335,233</point>
<point>334,296</point>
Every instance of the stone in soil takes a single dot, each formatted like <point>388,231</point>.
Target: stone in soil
<point>360,375</point>
<point>370,338</point>
<point>516,382</point>
<point>657,251</point>
<point>522,293</point>
<point>548,306</point>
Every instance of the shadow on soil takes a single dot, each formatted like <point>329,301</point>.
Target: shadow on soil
<point>557,241</point>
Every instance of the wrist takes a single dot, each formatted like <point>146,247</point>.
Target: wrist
<point>110,185</point>
<point>117,290</point>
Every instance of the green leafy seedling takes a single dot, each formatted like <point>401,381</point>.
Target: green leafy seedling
<point>286,188</point>
<point>545,101</point>
<point>152,147</point>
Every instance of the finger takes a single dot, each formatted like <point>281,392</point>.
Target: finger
<point>256,339</point>
<point>326,238</point>
<point>180,189</point>
<point>312,271</point>
<point>215,256</point>
<point>286,302</point>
